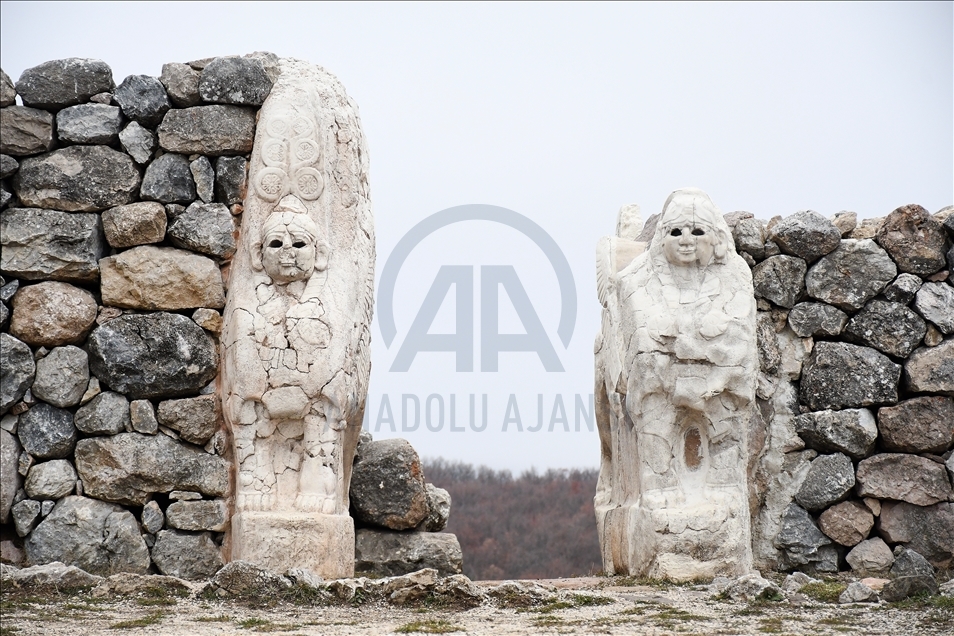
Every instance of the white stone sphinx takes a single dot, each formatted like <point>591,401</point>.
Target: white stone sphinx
<point>296,354</point>
<point>676,369</point>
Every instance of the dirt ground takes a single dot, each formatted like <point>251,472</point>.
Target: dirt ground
<point>595,605</point>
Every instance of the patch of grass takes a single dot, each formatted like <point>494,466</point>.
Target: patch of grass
<point>824,591</point>
<point>428,627</point>
<point>588,600</point>
<point>770,625</point>
<point>672,615</point>
<point>151,619</point>
<point>221,618</point>
<point>155,595</point>
<point>7,630</point>
<point>251,623</point>
<point>547,621</point>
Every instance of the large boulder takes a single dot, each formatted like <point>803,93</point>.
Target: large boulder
<point>149,277</point>
<point>387,485</point>
<point>208,130</point>
<point>10,479</point>
<point>195,419</point>
<point>829,480</point>
<point>839,375</point>
<point>54,576</point>
<point>25,131</point>
<point>931,369</point>
<point>205,227</point>
<point>152,355</point>
<point>168,179</point>
<point>438,509</point>
<point>129,467</point>
<point>54,479</point>
<point>47,432</point>
<point>197,516</point>
<point>920,425</point>
<point>230,174</point>
<point>816,319</point>
<point>780,279</point>
<point>51,245</point>
<point>929,530</point>
<point>143,99</point>
<point>105,414</point>
<point>8,93</point>
<point>799,539</point>
<point>89,124</point>
<point>903,288</point>
<point>182,84</point>
<point>95,536</point>
<point>77,179</point>
<point>135,224</point>
<point>186,555</point>
<point>870,557</point>
<point>17,370</point>
<point>60,83</point>
<point>139,142</point>
<point>204,176</point>
<point>235,80</point>
<point>850,431</point>
<point>852,275</point>
<point>914,240</point>
<point>904,477</point>
<point>889,327</point>
<point>807,235</point>
<point>909,562</point>
<point>387,553</point>
<point>935,301</point>
<point>62,376</point>
<point>51,313</point>
<point>847,523</point>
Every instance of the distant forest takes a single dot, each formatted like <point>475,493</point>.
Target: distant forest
<point>529,527</point>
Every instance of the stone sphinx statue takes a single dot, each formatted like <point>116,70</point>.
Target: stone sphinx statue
<point>676,376</point>
<point>295,342</point>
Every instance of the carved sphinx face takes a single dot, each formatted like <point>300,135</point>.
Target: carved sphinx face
<point>688,242</point>
<point>289,247</point>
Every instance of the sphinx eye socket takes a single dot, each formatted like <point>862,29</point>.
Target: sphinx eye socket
<point>698,232</point>
<point>299,244</point>
<point>675,232</point>
<point>275,243</point>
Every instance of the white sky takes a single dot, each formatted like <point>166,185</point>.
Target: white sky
<point>564,112</point>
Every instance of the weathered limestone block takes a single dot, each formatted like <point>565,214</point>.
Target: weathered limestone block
<point>852,275</point>
<point>135,224</point>
<point>93,535</point>
<point>53,576</point>
<point>889,327</point>
<point>77,179</point>
<point>235,80</point>
<point>906,586</point>
<point>931,369</point>
<point>152,517</point>
<point>195,419</point>
<point>8,166</point>
<point>10,479</point>
<point>438,509</point>
<point>847,523</point>
<point>839,375</point>
<point>169,179</point>
<point>204,176</point>
<point>8,94</point>
<point>935,301</point>
<point>845,221</point>
<point>676,392</point>
<point>296,327</point>
<point>919,425</point>
<point>807,235</point>
<point>148,277</point>
<point>143,99</point>
<point>850,431</point>
<point>185,555</point>
<point>903,477</point>
<point>142,417</point>
<point>59,83</point>
<point>105,414</point>
<point>799,539</point>
<point>230,173</point>
<point>51,314</point>
<point>929,530</point>
<point>903,288</point>
<point>25,131</point>
<point>47,432</point>
<point>89,124</point>
<point>182,84</point>
<point>829,480</point>
<point>402,502</point>
<point>17,370</point>
<point>127,468</point>
<point>26,515</point>
<point>910,563</point>
<point>387,553</point>
<point>50,480</point>
<point>205,227</point>
<point>870,557</point>
<point>204,514</point>
<point>62,376</point>
<point>816,319</point>
<point>749,236</point>
<point>208,130</point>
<point>780,279</point>
<point>51,245</point>
<point>139,142</point>
<point>914,240</point>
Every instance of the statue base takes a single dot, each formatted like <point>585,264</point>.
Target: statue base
<point>278,541</point>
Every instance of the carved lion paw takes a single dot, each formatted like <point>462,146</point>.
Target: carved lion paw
<point>309,502</point>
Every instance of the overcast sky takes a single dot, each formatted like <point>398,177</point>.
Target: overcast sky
<point>563,113</point>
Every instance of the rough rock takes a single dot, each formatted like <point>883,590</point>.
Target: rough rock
<point>751,587</point>
<point>851,275</point>
<point>50,480</point>
<point>26,515</point>
<point>89,124</point>
<point>796,581</point>
<point>931,369</point>
<point>839,375</point>
<point>858,592</point>
<point>182,84</point>
<point>889,327</point>
<point>749,236</point>
<point>49,244</point>
<point>127,468</point>
<point>387,485</point>
<point>139,142</point>
<point>845,221</point>
<point>816,319</point>
<point>204,514</point>
<point>208,130</point>
<point>205,227</point>
<point>799,538</point>
<point>142,417</point>
<point>47,432</point>
<point>235,80</point>
<point>59,83</point>
<point>105,414</point>
<point>920,425</point>
<point>77,179</point>
<point>850,431</point>
<point>935,301</point>
<point>903,288</point>
<point>907,586</point>
<point>8,94</point>
<point>168,179</point>
<point>388,553</point>
<point>929,530</point>
<point>25,131</point>
<point>148,277</point>
<point>8,166</point>
<point>847,523</point>
<point>829,480</point>
<point>55,576</point>
<point>186,556</point>
<point>128,584</point>
<point>807,235</point>
<point>908,562</point>
<point>910,478</point>
<point>51,314</point>
<point>208,319</point>
<point>870,557</point>
<point>135,224</point>
<point>195,419</point>
<point>780,279</point>
<point>10,479</point>
<point>204,177</point>
<point>143,99</point>
<point>914,240</point>
<point>62,376</point>
<point>244,579</point>
<point>96,536</point>
<point>438,509</point>
<point>17,370</point>
<point>152,517</point>
<point>230,173</point>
